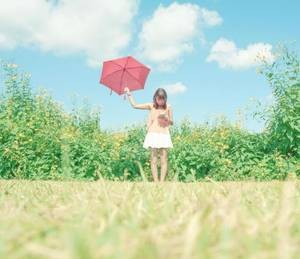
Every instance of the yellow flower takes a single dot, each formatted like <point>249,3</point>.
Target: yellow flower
<point>228,161</point>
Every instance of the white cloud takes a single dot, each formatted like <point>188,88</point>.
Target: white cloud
<point>98,29</point>
<point>171,30</point>
<point>210,18</point>
<point>175,88</point>
<point>227,55</point>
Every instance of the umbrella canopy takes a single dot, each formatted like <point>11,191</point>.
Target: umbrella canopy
<point>124,72</point>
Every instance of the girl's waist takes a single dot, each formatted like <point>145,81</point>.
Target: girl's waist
<point>157,130</point>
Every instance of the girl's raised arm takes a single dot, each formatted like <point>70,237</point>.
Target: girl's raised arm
<point>143,106</point>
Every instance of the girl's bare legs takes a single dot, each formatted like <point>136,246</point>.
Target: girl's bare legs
<point>164,163</point>
<point>153,163</point>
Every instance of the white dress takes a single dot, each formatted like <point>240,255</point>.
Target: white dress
<point>157,137</point>
<point>158,140</point>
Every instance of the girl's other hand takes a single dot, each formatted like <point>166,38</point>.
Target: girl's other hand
<point>126,90</point>
<point>163,121</point>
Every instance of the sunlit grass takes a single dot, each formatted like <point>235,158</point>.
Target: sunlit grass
<point>105,219</point>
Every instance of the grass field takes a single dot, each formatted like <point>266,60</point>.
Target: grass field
<point>104,219</point>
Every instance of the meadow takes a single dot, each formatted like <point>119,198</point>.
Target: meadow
<point>114,219</point>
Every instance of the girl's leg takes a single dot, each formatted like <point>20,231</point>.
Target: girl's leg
<point>164,163</point>
<point>154,164</point>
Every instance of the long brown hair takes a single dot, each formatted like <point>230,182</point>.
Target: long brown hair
<point>161,93</point>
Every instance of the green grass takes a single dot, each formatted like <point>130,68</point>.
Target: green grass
<point>105,219</point>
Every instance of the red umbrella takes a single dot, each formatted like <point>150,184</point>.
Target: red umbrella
<point>124,72</point>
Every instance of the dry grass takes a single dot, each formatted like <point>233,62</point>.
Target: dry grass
<point>103,219</point>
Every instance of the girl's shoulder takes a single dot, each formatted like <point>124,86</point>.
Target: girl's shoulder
<point>151,105</point>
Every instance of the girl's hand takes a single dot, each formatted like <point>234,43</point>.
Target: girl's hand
<point>126,90</point>
<point>163,121</point>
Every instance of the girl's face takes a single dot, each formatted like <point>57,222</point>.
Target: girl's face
<point>160,100</point>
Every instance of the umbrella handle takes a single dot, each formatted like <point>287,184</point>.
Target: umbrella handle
<point>124,92</point>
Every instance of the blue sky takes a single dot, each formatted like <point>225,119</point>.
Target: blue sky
<point>202,52</point>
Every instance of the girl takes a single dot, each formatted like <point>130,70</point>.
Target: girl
<point>158,135</point>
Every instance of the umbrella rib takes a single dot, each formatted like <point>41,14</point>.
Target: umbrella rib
<point>117,64</point>
<point>112,73</point>
<point>135,67</point>
<point>133,77</point>
<point>115,70</point>
<point>123,74</point>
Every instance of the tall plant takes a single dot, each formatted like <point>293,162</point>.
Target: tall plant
<point>283,116</point>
